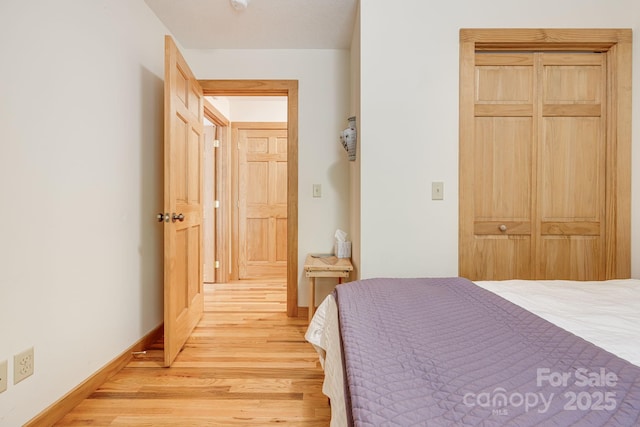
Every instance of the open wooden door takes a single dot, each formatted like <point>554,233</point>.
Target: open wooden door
<point>183,151</point>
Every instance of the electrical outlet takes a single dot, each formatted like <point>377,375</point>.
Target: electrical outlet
<point>22,365</point>
<point>3,376</point>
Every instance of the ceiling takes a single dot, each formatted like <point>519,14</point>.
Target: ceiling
<point>264,24</point>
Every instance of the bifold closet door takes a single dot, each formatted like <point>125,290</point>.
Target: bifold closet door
<point>536,166</point>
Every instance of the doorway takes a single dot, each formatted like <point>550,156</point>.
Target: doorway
<point>288,89</point>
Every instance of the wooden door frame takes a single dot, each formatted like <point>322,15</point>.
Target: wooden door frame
<point>617,45</point>
<point>289,89</point>
<point>222,217</point>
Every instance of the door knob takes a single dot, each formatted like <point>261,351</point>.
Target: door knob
<point>178,217</point>
<point>162,217</point>
<point>503,227</point>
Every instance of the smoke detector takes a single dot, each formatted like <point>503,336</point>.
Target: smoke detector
<point>239,4</point>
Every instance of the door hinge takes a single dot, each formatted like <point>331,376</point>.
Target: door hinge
<point>217,264</point>
<point>216,143</point>
<point>216,204</point>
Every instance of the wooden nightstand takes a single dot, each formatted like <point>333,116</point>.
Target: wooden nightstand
<point>324,266</point>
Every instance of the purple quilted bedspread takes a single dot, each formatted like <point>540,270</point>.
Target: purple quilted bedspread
<point>445,352</point>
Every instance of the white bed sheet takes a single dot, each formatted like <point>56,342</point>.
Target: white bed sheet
<point>324,333</point>
<point>606,313</point>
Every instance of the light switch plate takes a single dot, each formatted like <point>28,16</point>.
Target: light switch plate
<point>317,190</point>
<point>437,191</point>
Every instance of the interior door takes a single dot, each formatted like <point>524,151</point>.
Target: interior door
<point>183,293</point>
<point>262,202</point>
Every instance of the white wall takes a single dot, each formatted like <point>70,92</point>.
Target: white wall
<point>271,109</point>
<point>221,104</point>
<point>409,126</point>
<point>251,109</point>
<point>81,105</point>
<point>323,91</point>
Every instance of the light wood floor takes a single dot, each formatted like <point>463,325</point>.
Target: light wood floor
<point>246,364</point>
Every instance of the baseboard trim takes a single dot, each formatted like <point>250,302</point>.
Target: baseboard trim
<point>65,404</point>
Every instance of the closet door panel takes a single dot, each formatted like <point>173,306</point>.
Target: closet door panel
<point>572,164</point>
<point>571,161</point>
<point>501,257</point>
<point>500,244</point>
<point>571,257</point>
<point>503,149</point>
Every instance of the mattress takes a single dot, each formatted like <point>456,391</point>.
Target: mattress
<point>602,313</point>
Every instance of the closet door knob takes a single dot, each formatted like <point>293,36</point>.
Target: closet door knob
<point>503,227</point>
<point>178,217</point>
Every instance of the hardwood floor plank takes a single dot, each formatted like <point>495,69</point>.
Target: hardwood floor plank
<point>192,393</point>
<point>246,364</point>
<point>207,422</point>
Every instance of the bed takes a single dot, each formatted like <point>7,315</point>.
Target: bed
<point>447,351</point>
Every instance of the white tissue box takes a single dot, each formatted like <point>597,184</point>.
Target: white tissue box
<point>342,249</point>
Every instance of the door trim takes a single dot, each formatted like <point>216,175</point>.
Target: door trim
<point>288,88</point>
<point>617,45</point>
<point>222,222</point>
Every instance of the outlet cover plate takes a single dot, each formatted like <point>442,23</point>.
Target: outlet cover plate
<point>22,365</point>
<point>3,376</point>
